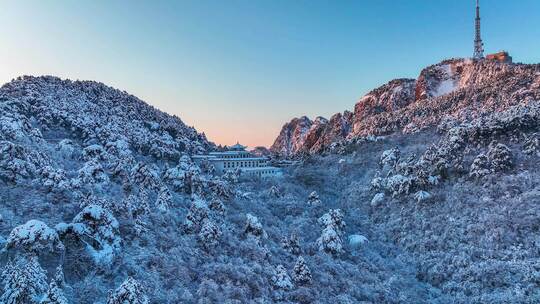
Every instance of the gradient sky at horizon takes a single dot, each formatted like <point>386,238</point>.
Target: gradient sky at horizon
<point>239,69</point>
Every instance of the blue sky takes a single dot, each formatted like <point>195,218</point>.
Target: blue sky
<point>238,70</point>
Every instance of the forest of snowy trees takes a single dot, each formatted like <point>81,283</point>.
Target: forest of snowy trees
<point>101,203</point>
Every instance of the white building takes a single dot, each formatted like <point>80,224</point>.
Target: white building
<point>238,158</point>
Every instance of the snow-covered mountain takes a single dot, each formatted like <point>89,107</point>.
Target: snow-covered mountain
<point>100,201</point>
<point>458,89</point>
<point>45,109</point>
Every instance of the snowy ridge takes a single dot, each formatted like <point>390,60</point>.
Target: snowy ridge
<point>458,89</point>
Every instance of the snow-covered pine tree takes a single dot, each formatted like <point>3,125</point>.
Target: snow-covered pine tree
<point>55,293</point>
<point>301,273</point>
<point>91,173</point>
<point>281,279</point>
<point>334,218</point>
<point>198,212</point>
<point>254,227</point>
<point>291,244</point>
<point>531,146</point>
<point>209,235</point>
<point>217,206</point>
<point>480,167</point>
<point>500,157</point>
<point>330,241</point>
<point>53,179</point>
<point>389,158</point>
<point>130,292</point>
<point>23,281</point>
<point>99,228</point>
<point>274,192</point>
<point>145,177</point>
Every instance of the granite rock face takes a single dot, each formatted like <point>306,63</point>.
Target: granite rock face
<point>455,89</point>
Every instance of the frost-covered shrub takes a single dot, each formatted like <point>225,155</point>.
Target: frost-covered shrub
<point>301,272</point>
<point>94,152</point>
<point>67,147</point>
<point>291,244</point>
<point>53,179</point>
<point>17,163</point>
<point>313,199</point>
<point>531,146</point>
<point>434,180</point>
<point>34,236</point>
<point>356,241</point>
<point>480,167</point>
<point>164,199</point>
<point>377,199</point>
<point>18,128</point>
<point>98,229</point>
<point>232,176</point>
<point>378,183</point>
<point>130,292</point>
<point>274,192</point>
<point>281,279</point>
<point>389,158</point>
<point>500,157</point>
<point>91,173</point>
<point>197,214</point>
<point>23,281</point>
<point>399,184</point>
<point>217,207</point>
<point>422,196</point>
<point>254,227</point>
<point>209,235</point>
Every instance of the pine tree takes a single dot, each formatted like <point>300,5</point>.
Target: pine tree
<point>291,244</point>
<point>334,218</point>
<point>217,206</point>
<point>209,235</point>
<point>500,157</point>
<point>330,241</point>
<point>254,227</point>
<point>532,145</point>
<point>55,294</point>
<point>301,272</point>
<point>281,280</point>
<point>274,192</point>
<point>164,199</point>
<point>24,281</point>
<point>480,167</point>
<point>130,292</point>
<point>198,212</point>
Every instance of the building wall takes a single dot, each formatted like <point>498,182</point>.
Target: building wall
<point>249,165</point>
<point>501,57</point>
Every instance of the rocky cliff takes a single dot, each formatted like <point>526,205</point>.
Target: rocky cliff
<point>455,89</point>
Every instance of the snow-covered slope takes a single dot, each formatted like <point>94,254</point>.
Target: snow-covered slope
<point>100,202</point>
<point>38,108</point>
<point>456,88</point>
